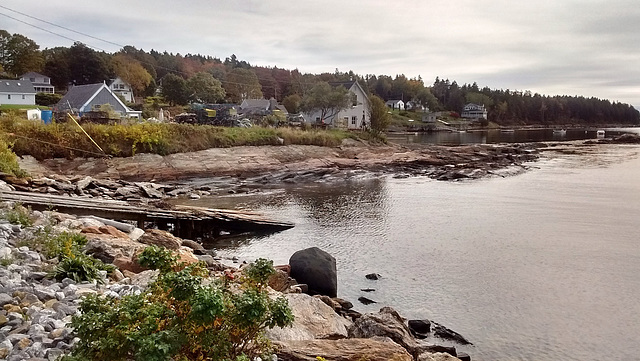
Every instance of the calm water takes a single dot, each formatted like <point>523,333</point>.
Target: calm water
<point>500,136</point>
<point>539,266</point>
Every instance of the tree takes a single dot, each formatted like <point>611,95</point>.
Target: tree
<point>19,54</point>
<point>205,88</point>
<point>379,114</point>
<point>292,103</point>
<point>241,84</point>
<point>87,66</point>
<point>175,90</point>
<point>132,72</point>
<point>56,66</point>
<point>326,100</point>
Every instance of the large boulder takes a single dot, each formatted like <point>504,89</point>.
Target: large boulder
<point>341,350</point>
<point>313,320</point>
<point>317,269</point>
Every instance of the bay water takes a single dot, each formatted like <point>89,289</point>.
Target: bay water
<point>540,266</point>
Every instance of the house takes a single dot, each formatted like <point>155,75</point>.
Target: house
<point>429,117</point>
<point>415,106</point>
<point>85,98</point>
<point>262,107</point>
<point>354,117</point>
<point>122,88</point>
<point>474,111</point>
<point>41,83</point>
<point>20,92</point>
<point>395,104</point>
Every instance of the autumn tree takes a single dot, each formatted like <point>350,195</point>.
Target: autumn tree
<point>379,114</point>
<point>205,88</point>
<point>132,72</point>
<point>242,84</point>
<point>325,100</point>
<point>175,90</point>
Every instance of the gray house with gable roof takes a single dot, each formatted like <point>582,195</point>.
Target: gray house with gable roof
<point>90,97</point>
<point>20,92</point>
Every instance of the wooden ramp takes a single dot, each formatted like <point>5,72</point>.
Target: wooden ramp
<point>183,221</point>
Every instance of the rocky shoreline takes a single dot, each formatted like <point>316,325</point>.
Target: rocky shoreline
<point>36,309</point>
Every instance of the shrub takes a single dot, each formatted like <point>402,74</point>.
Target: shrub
<point>18,214</point>
<point>80,267</point>
<point>9,161</point>
<point>155,257</point>
<point>180,317</point>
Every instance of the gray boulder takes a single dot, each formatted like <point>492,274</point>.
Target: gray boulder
<point>317,269</point>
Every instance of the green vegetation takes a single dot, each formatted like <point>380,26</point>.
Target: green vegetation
<point>9,161</point>
<point>72,261</point>
<point>378,112</point>
<point>184,315</point>
<point>66,140</point>
<point>18,214</point>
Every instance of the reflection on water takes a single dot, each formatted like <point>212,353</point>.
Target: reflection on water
<point>499,136</point>
<point>539,267</point>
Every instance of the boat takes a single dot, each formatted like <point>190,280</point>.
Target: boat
<point>600,133</point>
<point>559,132</point>
<point>507,130</point>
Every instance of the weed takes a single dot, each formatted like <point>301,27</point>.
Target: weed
<point>18,214</point>
<point>6,261</point>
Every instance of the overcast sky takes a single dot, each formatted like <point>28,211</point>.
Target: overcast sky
<point>585,47</point>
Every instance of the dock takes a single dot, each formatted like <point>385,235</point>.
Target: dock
<point>183,221</point>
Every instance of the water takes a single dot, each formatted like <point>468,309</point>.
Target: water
<point>494,136</point>
<point>539,266</point>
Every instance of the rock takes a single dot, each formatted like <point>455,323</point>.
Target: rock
<point>113,232</point>
<point>136,233</point>
<point>107,249</point>
<point>329,302</point>
<point>346,305</point>
<point>195,246</point>
<point>280,281</point>
<point>120,226</point>
<point>128,264</point>
<point>83,183</point>
<point>367,289</point>
<point>438,356</point>
<point>386,323</point>
<point>449,334</point>
<point>463,356</point>
<point>317,269</point>
<point>313,320</point>
<point>341,350</point>
<point>373,276</point>
<point>366,301</point>
<point>160,238</point>
<point>420,328</point>
<point>144,278</point>
<point>149,190</point>
<point>212,264</point>
<point>5,299</point>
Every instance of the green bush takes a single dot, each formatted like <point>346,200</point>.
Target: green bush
<point>80,267</point>
<point>155,257</point>
<point>9,161</point>
<point>181,317</point>
<point>18,214</point>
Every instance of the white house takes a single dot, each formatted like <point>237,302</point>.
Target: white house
<point>354,117</point>
<point>122,88</point>
<point>20,92</point>
<point>89,97</point>
<point>474,111</point>
<point>415,106</point>
<point>395,104</point>
<point>41,83</point>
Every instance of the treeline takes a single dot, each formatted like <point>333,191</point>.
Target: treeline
<point>198,78</point>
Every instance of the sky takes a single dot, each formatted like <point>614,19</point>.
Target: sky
<point>560,47</point>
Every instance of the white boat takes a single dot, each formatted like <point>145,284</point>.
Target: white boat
<point>600,133</point>
<point>559,131</point>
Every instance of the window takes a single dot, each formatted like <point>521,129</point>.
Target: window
<point>33,80</point>
<point>121,86</point>
<point>354,119</point>
<point>8,96</point>
<point>24,96</point>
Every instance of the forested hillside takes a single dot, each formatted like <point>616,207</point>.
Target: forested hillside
<point>199,78</point>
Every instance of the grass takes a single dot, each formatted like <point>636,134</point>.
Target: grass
<point>22,107</point>
<point>66,140</point>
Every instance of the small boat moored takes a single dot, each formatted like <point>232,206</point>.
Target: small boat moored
<point>600,133</point>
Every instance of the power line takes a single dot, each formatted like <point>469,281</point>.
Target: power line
<point>155,66</point>
<point>61,27</point>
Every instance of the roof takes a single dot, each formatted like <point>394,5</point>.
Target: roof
<point>256,103</point>
<point>32,74</point>
<point>79,95</point>
<point>393,101</point>
<point>16,86</point>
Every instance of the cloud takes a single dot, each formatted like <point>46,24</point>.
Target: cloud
<point>558,46</point>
